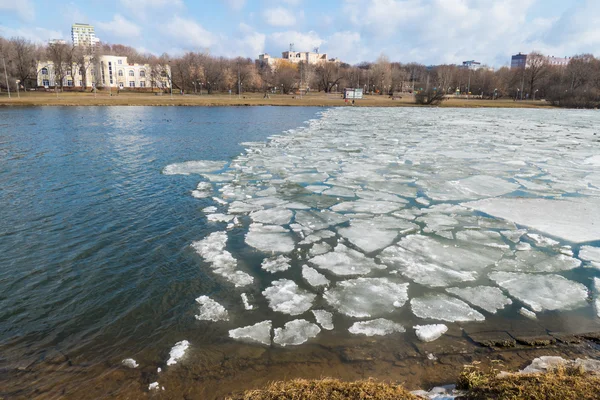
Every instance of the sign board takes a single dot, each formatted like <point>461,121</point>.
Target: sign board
<point>352,94</point>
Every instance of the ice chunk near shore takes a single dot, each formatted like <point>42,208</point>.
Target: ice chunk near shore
<point>514,235</point>
<point>210,310</point>
<point>177,352</point>
<point>367,297</point>
<point>219,217</point>
<point>286,297</point>
<point>257,333</point>
<point>313,277</point>
<point>295,333</point>
<point>572,219</point>
<point>527,313</point>
<point>444,308</point>
<point>597,296</point>
<point>537,261</point>
<point>272,216</point>
<point>155,386</point>
<point>376,327</point>
<point>421,270</point>
<point>212,249</point>
<point>542,241</point>
<point>590,254</point>
<point>429,333</point>
<point>203,190</point>
<point>490,299</point>
<point>130,363</point>
<point>324,318</point>
<point>542,292</point>
<point>344,261</point>
<point>276,264</point>
<point>194,167</point>
<point>270,238</point>
<point>247,305</point>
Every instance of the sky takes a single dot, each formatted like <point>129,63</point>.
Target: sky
<point>425,31</point>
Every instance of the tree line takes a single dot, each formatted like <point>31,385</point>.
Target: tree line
<point>574,85</point>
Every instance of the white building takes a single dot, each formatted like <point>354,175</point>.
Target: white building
<point>296,57</point>
<point>83,35</point>
<point>107,71</point>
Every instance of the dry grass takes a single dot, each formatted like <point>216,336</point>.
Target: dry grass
<point>561,383</point>
<point>327,389</point>
<point>251,99</point>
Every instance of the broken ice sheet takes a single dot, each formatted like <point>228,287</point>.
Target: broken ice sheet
<point>367,297</point>
<point>376,327</point>
<point>270,238</point>
<point>295,333</point>
<point>194,167</point>
<point>537,261</point>
<point>257,333</point>
<point>313,277</point>
<point>276,264</point>
<point>474,187</point>
<point>429,333</point>
<point>590,254</point>
<point>286,297</point>
<point>374,234</point>
<point>210,310</point>
<point>490,299</point>
<point>273,216</point>
<point>324,318</point>
<point>367,206</point>
<point>444,308</point>
<point>542,292</point>
<point>344,261</point>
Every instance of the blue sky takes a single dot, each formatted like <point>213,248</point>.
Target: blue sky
<point>426,31</point>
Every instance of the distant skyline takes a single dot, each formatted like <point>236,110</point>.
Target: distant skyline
<point>425,31</point>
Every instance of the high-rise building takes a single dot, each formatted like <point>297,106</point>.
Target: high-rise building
<point>83,35</point>
<point>518,61</point>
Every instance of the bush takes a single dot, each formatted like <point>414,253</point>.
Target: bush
<point>430,97</point>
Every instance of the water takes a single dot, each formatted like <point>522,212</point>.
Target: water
<point>97,264</point>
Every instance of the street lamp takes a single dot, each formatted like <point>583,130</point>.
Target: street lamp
<point>17,82</point>
<point>536,90</point>
<point>517,96</point>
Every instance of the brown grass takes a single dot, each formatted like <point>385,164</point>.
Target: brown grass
<point>252,99</point>
<point>561,383</point>
<point>327,389</point>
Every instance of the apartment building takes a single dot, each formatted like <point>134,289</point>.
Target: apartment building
<point>83,35</point>
<point>521,61</point>
<point>296,57</point>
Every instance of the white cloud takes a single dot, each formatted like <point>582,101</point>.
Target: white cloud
<point>279,17</point>
<point>35,34</point>
<point>23,8</point>
<point>188,33</point>
<point>120,26</point>
<point>138,5</point>
<point>292,2</point>
<point>302,41</point>
<point>235,5</point>
<point>348,47</point>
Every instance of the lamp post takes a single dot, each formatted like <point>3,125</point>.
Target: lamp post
<point>200,87</point>
<point>536,90</point>
<point>18,95</point>
<point>6,76</point>
<point>517,96</point>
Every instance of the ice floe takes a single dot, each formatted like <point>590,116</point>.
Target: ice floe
<point>344,261</point>
<point>376,327</point>
<point>597,296</point>
<point>276,264</point>
<point>324,318</point>
<point>295,333</point>
<point>247,305</point>
<point>537,261</point>
<point>272,216</point>
<point>155,386</point>
<point>313,277</point>
<point>444,308</point>
<point>527,313</point>
<point>194,167</point>
<point>177,352</point>
<point>374,234</point>
<point>130,363</point>
<point>270,238</point>
<point>318,249</point>
<point>590,254</point>
<point>542,292</point>
<point>257,333</point>
<point>286,297</point>
<point>490,299</point>
<point>367,297</point>
<point>203,190</point>
<point>429,333</point>
<point>210,310</point>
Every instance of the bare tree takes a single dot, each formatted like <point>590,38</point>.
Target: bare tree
<point>23,57</point>
<point>286,76</point>
<point>536,70</point>
<point>61,56</point>
<point>328,74</point>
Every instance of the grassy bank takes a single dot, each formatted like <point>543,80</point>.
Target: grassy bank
<point>251,99</point>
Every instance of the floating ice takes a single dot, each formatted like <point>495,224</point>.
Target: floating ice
<point>444,308</point>
<point>597,295</point>
<point>474,187</point>
<point>258,333</point>
<point>177,352</point>
<point>295,332</point>
<point>130,363</point>
<point>319,220</point>
<point>212,249</point>
<point>527,313</point>
<point>155,386</point>
<point>324,318</point>
<point>193,167</point>
<point>572,219</point>
<point>317,237</point>
<point>210,310</point>
<point>270,238</point>
<point>318,249</point>
<point>376,327</point>
<point>239,207</point>
<point>203,190</point>
<point>536,261</point>
<point>367,297</point>
<point>490,299</point>
<point>429,333</point>
<point>590,254</point>
<point>286,297</point>
<point>313,277</point>
<point>485,238</point>
<point>367,206</point>
<point>542,292</point>
<point>219,217</point>
<point>344,261</point>
<point>276,264</point>
<point>247,304</point>
<point>371,235</point>
<point>273,216</point>
<point>209,210</point>
<point>542,241</point>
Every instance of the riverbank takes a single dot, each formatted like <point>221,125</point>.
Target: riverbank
<point>28,99</point>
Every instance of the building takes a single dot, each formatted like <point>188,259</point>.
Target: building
<point>472,64</point>
<point>558,61</point>
<point>105,72</point>
<point>521,61</point>
<point>83,35</point>
<point>57,41</point>
<point>296,57</point>
<point>518,61</point>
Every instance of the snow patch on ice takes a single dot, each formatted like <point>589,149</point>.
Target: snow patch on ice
<point>324,318</point>
<point>429,333</point>
<point>286,297</point>
<point>376,327</point>
<point>444,308</point>
<point>295,333</point>
<point>490,299</point>
<point>177,352</point>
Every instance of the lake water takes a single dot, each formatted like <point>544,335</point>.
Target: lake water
<point>382,219</point>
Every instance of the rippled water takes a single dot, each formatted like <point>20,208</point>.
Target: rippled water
<point>105,245</point>
<point>94,241</point>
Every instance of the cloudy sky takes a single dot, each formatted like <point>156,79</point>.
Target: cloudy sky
<point>426,31</point>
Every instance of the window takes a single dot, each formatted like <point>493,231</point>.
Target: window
<point>131,73</point>
<point>81,83</point>
<point>46,83</point>
<point>142,84</point>
<point>131,83</point>
<point>142,74</point>
<point>70,82</point>
<point>120,72</point>
<point>120,62</point>
<point>44,71</point>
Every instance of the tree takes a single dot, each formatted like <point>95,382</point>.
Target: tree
<point>23,57</point>
<point>328,74</point>
<point>84,58</point>
<point>536,70</point>
<point>286,75</point>
<point>61,57</point>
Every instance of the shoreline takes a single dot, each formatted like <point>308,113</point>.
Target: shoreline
<point>78,99</point>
